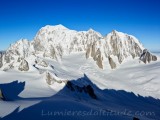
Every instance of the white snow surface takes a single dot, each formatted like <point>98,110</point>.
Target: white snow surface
<point>131,76</point>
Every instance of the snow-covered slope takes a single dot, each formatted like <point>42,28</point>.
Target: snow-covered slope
<point>54,92</point>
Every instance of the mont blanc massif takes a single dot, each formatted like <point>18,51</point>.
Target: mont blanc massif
<point>78,75</point>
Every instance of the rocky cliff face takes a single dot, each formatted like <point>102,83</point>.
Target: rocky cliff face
<point>112,63</point>
<point>147,57</point>
<point>56,41</point>
<point>123,45</point>
<point>115,44</point>
<point>24,66</point>
<point>15,54</point>
<point>88,89</point>
<point>1,59</point>
<point>22,48</point>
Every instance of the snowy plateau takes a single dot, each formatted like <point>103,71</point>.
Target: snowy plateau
<point>79,75</point>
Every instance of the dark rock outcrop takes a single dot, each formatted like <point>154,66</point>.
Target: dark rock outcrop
<point>98,58</point>
<point>95,54</point>
<point>1,95</point>
<point>86,89</point>
<point>7,58</point>
<point>70,86</point>
<point>147,57</point>
<point>112,63</point>
<point>1,59</point>
<point>93,51</point>
<point>88,52</point>
<point>50,79</point>
<point>90,91</point>
<point>154,58</point>
<point>23,66</point>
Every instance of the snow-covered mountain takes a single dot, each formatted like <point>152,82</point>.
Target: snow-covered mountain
<point>56,41</point>
<point>67,70</point>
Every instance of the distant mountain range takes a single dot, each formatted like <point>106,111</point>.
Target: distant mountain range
<point>57,41</point>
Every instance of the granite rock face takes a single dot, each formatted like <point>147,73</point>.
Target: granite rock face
<point>1,95</point>
<point>88,89</point>
<point>7,58</point>
<point>88,52</point>
<point>112,63</point>
<point>1,59</point>
<point>154,58</point>
<point>23,66</point>
<point>98,58</point>
<point>115,44</point>
<point>147,57</point>
<point>50,78</point>
<point>122,45</point>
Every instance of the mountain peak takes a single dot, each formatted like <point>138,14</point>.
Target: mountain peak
<point>60,26</point>
<point>114,31</point>
<point>91,29</point>
<point>55,27</point>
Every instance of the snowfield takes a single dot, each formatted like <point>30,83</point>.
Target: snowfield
<point>37,97</point>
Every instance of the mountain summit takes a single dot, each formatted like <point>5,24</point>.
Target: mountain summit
<point>56,41</point>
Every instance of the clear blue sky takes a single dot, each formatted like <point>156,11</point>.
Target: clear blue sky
<point>23,18</point>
